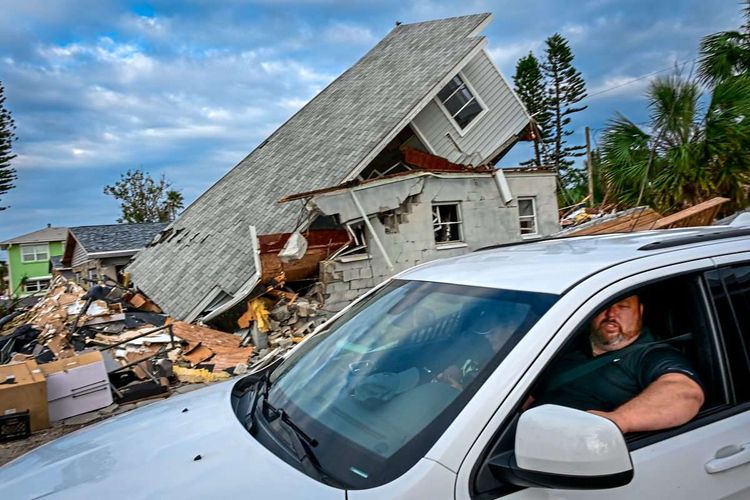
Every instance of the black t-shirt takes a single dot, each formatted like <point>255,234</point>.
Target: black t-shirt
<point>609,380</point>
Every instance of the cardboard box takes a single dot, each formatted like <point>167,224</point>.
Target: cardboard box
<point>76,385</point>
<point>28,392</point>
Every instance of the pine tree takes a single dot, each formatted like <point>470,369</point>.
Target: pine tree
<point>530,87</point>
<point>565,88</point>
<point>7,136</point>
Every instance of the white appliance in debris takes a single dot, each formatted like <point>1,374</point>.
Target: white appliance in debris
<point>76,385</point>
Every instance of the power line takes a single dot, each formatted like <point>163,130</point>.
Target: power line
<point>643,77</point>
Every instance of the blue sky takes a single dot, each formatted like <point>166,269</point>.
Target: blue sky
<point>187,89</point>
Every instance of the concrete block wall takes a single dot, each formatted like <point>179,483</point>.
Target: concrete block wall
<point>542,186</point>
<point>485,221</point>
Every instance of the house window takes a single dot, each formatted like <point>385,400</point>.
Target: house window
<point>35,285</point>
<point>446,222</point>
<point>32,253</point>
<point>357,249</point>
<point>459,102</point>
<point>527,216</point>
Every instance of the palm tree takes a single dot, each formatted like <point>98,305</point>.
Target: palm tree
<point>727,53</point>
<point>681,158</point>
<point>174,203</point>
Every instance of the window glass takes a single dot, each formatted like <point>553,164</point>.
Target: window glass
<point>730,288</point>
<point>446,223</point>
<point>31,286</point>
<point>386,379</point>
<point>30,253</point>
<point>527,216</point>
<point>460,103</point>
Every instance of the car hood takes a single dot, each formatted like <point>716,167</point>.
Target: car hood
<point>187,446</point>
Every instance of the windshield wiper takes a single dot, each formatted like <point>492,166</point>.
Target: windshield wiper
<point>304,440</point>
<point>260,388</point>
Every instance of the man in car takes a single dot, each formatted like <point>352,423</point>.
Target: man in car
<point>623,374</point>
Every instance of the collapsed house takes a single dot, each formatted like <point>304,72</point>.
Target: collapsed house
<point>390,165</point>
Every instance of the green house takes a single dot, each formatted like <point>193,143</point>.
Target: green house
<point>29,259</point>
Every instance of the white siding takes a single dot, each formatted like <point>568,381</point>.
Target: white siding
<point>504,117</point>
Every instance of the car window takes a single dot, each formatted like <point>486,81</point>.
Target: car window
<point>676,321</point>
<point>730,288</point>
<point>381,384</point>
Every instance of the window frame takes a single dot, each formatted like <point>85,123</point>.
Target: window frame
<point>35,252</point>
<point>534,218</point>
<point>38,281</point>
<point>461,241</point>
<point>462,131</point>
<point>360,249</point>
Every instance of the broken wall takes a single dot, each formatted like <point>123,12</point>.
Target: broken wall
<point>101,267</point>
<point>409,237</point>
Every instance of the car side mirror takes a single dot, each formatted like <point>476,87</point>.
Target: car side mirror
<point>562,448</point>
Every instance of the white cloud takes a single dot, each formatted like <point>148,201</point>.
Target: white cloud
<point>574,31</point>
<point>349,33</point>
<point>293,103</point>
<point>506,55</point>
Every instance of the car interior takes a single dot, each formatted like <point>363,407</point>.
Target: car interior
<point>675,312</point>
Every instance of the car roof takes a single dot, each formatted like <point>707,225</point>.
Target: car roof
<point>554,265</point>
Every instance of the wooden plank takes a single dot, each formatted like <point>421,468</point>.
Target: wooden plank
<point>634,221</point>
<point>701,214</point>
<point>213,339</point>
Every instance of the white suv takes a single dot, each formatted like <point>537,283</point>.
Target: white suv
<point>411,392</point>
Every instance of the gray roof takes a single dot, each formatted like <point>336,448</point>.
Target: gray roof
<point>116,237</point>
<point>337,132</point>
<point>55,262</point>
<point>41,236</point>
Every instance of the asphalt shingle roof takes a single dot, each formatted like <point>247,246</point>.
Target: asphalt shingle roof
<point>40,236</point>
<point>116,237</point>
<point>210,244</point>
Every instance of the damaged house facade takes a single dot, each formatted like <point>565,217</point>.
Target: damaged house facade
<point>391,165</point>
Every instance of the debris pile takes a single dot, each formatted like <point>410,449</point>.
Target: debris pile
<point>279,319</point>
<point>130,351</point>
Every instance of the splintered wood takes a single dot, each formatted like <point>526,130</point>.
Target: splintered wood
<point>226,349</point>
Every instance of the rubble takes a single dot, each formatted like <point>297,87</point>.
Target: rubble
<point>140,353</point>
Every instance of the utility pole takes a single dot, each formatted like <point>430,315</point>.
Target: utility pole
<point>589,167</point>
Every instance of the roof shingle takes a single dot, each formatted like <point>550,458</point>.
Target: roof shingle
<point>319,146</point>
<point>116,237</point>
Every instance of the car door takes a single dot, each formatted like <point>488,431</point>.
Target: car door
<point>700,460</point>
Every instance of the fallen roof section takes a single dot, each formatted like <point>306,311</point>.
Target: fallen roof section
<point>209,249</point>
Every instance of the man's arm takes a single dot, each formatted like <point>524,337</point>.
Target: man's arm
<point>671,400</point>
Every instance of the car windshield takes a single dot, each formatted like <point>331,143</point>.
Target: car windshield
<point>382,382</point>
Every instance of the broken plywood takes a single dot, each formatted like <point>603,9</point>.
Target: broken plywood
<point>321,244</point>
<point>635,219</point>
<point>702,214</point>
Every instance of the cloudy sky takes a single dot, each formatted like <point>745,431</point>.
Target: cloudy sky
<point>187,89</point>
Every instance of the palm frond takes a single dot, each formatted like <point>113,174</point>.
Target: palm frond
<point>723,55</point>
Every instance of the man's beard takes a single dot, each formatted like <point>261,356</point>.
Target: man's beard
<point>599,338</point>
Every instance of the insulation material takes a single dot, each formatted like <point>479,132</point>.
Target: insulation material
<point>295,248</point>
